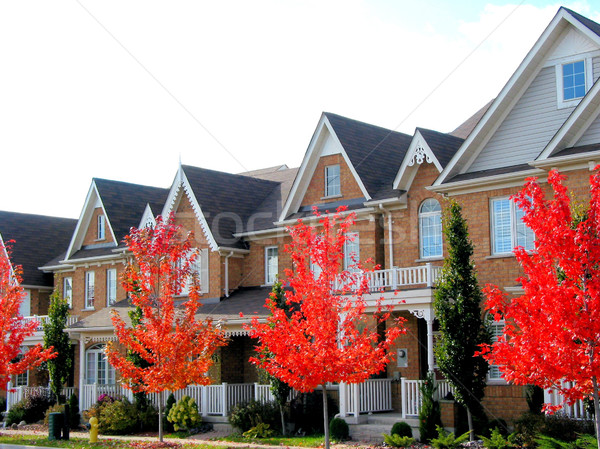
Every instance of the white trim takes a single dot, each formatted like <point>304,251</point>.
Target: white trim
<point>85,219</point>
<point>421,215</point>
<point>267,272</point>
<point>309,164</point>
<point>174,194</point>
<point>561,103</point>
<point>418,152</point>
<point>511,93</point>
<point>512,179</point>
<point>578,122</point>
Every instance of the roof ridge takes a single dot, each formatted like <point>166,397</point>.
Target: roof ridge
<point>365,123</point>
<point>230,174</point>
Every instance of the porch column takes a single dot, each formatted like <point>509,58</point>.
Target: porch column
<point>428,315</point>
<point>81,371</point>
<point>343,399</point>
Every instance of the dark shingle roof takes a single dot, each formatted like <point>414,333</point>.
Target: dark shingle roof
<point>125,203</point>
<point>443,145</point>
<point>38,239</point>
<point>577,150</point>
<point>489,172</point>
<point>464,129</point>
<point>228,201</point>
<point>593,26</point>
<point>376,153</point>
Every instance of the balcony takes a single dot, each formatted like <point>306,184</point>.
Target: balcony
<point>395,278</point>
<point>41,319</point>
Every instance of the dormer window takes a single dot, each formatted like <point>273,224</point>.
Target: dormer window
<point>101,228</point>
<point>573,75</point>
<point>332,180</point>
<point>573,80</point>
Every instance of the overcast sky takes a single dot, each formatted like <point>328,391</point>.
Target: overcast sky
<point>124,90</point>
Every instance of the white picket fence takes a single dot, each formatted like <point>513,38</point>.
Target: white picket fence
<point>211,399</point>
<point>373,395</point>
<point>576,410</point>
<point>16,394</point>
<point>411,395</point>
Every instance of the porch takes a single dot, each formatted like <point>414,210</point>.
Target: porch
<point>42,319</point>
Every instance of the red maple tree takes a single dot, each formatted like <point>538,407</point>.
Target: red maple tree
<point>176,346</point>
<point>13,330</point>
<point>326,337</point>
<point>552,332</point>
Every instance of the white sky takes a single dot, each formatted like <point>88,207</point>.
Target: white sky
<point>125,89</point>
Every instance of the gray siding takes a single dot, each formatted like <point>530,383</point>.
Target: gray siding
<point>527,128</point>
<point>592,134</point>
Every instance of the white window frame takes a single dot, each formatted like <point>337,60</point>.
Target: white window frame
<point>422,218</point>
<point>111,286</point>
<point>587,60</point>
<point>68,290</point>
<point>352,252</point>
<point>270,276</point>
<point>22,380</point>
<point>497,329</point>
<point>25,306</point>
<point>96,354</point>
<point>333,189</point>
<point>515,223</point>
<point>101,228</point>
<point>200,267</point>
<point>90,283</point>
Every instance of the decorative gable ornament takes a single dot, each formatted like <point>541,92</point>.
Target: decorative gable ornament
<point>420,154</point>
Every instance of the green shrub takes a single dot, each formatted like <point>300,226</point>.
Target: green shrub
<point>56,408</point>
<point>261,430</point>
<point>497,424</point>
<point>561,427</point>
<point>498,441</point>
<point>339,430</point>
<point>247,415</point>
<point>16,414</point>
<point>171,401</point>
<point>430,415</point>
<point>31,409</point>
<point>447,440</point>
<point>118,418</point>
<point>528,427</point>
<point>395,440</point>
<point>184,415</point>
<point>74,418</point>
<point>583,442</point>
<point>402,429</point>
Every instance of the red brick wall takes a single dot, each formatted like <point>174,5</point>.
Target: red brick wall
<point>91,235</point>
<point>315,192</point>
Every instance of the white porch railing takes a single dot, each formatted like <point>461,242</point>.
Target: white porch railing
<point>19,393</point>
<point>373,395</point>
<point>41,319</point>
<point>394,278</point>
<point>576,410</point>
<point>411,395</point>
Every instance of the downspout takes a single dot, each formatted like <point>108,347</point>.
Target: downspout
<point>227,273</point>
<point>390,234</point>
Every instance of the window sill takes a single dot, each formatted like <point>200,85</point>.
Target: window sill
<point>496,382</point>
<point>500,256</point>
<point>332,197</point>
<point>88,309</point>
<point>430,259</point>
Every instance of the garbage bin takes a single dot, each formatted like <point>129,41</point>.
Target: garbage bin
<point>55,425</point>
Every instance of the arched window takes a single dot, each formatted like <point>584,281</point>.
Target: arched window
<point>97,368</point>
<point>430,229</point>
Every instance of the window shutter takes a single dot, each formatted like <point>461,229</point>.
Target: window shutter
<point>204,271</point>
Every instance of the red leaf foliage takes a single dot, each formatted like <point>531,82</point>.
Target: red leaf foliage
<point>552,332</point>
<point>326,337</point>
<point>177,346</point>
<point>13,330</point>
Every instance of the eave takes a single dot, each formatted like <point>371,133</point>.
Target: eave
<point>486,183</point>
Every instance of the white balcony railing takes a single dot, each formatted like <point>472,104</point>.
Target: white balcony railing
<point>41,319</point>
<point>394,278</point>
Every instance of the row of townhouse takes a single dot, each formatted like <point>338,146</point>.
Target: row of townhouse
<point>546,116</point>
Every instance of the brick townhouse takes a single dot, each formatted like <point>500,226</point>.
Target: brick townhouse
<point>546,116</point>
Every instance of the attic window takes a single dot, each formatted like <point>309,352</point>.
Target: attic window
<point>573,75</point>
<point>573,80</point>
<point>101,228</point>
<point>332,180</point>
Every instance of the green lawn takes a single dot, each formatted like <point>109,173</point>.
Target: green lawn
<point>307,441</point>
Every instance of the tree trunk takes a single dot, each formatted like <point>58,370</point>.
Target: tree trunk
<point>325,416</point>
<point>470,421</point>
<point>160,416</point>
<point>596,408</point>
<point>282,420</point>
